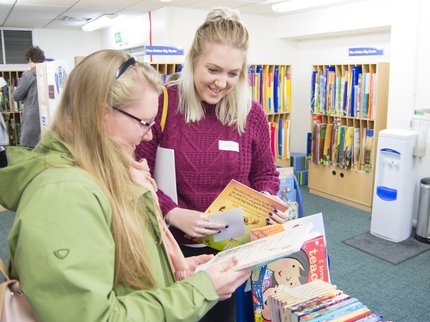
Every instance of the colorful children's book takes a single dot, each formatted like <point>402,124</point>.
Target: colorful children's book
<point>286,185</point>
<point>263,250</point>
<point>255,207</point>
<point>304,266</point>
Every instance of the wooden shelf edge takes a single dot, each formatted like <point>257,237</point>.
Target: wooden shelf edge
<point>283,162</point>
<point>347,202</point>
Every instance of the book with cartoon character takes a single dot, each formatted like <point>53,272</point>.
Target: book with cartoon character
<point>308,264</point>
<point>255,207</point>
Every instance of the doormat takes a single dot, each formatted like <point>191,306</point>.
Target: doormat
<point>394,253</point>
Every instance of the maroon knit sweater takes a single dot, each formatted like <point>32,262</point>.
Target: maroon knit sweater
<point>202,170</point>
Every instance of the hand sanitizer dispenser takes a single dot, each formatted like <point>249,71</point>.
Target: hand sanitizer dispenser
<point>394,185</point>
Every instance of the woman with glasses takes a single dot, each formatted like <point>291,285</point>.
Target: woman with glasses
<point>216,131</point>
<point>88,242</point>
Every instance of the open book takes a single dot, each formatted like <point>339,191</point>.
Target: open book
<point>255,207</point>
<point>265,249</point>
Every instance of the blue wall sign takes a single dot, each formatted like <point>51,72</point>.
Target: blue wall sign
<point>365,51</point>
<point>163,50</point>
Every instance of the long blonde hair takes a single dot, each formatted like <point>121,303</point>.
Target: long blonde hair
<point>222,26</point>
<point>90,92</point>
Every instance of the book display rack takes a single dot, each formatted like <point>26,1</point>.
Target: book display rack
<point>349,107</point>
<point>11,110</point>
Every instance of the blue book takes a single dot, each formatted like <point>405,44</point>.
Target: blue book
<point>313,79</point>
<point>345,97</point>
<point>259,70</point>
<point>280,138</point>
<point>356,71</point>
<point>276,89</point>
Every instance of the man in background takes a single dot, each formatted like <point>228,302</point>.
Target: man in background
<point>26,91</point>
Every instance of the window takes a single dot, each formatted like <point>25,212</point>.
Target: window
<point>13,45</point>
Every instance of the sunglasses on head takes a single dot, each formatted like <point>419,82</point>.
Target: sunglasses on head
<point>125,66</point>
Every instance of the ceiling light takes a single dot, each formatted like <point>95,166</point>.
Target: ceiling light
<point>296,5</point>
<point>99,23</point>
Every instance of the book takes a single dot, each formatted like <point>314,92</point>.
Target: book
<point>373,317</point>
<point>255,207</point>
<point>286,185</point>
<point>354,315</point>
<point>307,265</point>
<point>368,148</point>
<point>263,250</point>
<point>333,312</point>
<point>296,315</point>
<point>286,296</point>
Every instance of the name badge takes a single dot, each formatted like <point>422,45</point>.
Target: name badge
<point>228,146</point>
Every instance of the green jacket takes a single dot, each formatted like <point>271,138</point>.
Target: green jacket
<point>63,251</point>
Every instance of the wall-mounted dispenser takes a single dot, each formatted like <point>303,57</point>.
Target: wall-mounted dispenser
<point>420,123</point>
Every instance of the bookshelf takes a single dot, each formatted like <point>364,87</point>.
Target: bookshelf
<point>350,103</point>
<point>11,110</point>
<point>270,85</point>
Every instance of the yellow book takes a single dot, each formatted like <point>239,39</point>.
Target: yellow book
<point>255,206</point>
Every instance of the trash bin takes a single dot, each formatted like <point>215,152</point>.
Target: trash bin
<point>423,219</point>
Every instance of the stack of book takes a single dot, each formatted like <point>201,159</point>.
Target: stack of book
<point>300,163</point>
<point>317,301</point>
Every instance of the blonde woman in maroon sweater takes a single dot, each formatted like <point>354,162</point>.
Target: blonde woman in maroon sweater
<point>216,131</point>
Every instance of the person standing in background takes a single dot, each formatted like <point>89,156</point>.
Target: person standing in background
<point>217,133</point>
<point>26,91</point>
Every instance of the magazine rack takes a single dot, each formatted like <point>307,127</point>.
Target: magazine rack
<point>244,310</point>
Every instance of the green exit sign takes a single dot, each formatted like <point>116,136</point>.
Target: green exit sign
<point>118,37</point>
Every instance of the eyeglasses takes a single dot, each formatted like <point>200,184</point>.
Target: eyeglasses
<point>125,66</point>
<point>148,125</point>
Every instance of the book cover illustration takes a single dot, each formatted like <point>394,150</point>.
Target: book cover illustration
<point>255,206</point>
<point>286,192</point>
<point>307,265</point>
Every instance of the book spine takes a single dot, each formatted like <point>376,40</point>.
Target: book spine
<point>332,311</point>
<point>295,317</point>
<point>338,313</point>
<point>354,315</point>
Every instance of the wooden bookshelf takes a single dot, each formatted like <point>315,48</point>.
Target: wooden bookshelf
<point>330,177</point>
<point>270,85</point>
<point>11,110</point>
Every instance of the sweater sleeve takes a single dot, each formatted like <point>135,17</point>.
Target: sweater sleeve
<point>263,175</point>
<point>64,254</point>
<point>24,85</point>
<point>148,150</point>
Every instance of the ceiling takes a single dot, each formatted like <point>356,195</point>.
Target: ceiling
<point>72,14</point>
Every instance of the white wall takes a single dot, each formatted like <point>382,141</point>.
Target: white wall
<point>355,17</point>
<point>59,44</point>
<point>264,45</point>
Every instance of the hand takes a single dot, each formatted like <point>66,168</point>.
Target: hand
<point>277,217</point>
<point>195,261</point>
<point>226,281</point>
<point>194,223</point>
<point>192,263</point>
<point>141,174</point>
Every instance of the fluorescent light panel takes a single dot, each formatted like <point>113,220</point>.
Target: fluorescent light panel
<point>296,5</point>
<point>98,23</point>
